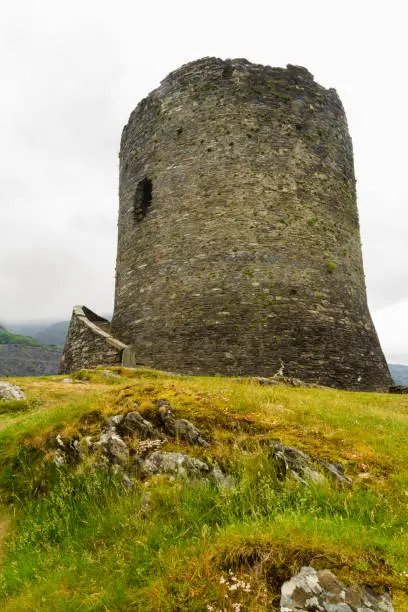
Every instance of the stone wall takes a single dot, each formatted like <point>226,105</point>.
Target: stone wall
<point>89,342</point>
<point>239,243</point>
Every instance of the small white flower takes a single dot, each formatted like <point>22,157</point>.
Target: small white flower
<point>233,587</point>
<point>222,580</point>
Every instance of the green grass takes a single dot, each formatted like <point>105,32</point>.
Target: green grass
<point>76,539</point>
<point>7,337</point>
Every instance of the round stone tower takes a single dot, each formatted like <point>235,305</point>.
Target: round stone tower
<point>239,244</point>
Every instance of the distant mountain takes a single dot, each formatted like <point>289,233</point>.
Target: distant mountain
<point>50,333</point>
<point>24,356</point>
<point>54,334</point>
<point>27,329</point>
<point>399,372</point>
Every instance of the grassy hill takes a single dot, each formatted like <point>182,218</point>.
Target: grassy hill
<point>75,538</point>
<point>7,337</point>
<point>55,334</point>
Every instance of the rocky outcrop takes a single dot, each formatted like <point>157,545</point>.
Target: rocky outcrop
<point>10,392</point>
<point>322,591</point>
<point>142,459</point>
<point>294,462</point>
<point>133,423</point>
<point>178,428</point>
<point>175,464</point>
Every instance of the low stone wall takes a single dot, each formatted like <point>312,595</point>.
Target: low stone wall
<point>89,342</point>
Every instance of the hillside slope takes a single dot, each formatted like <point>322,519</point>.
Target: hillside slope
<point>21,360</point>
<point>25,356</point>
<point>55,334</point>
<point>75,536</point>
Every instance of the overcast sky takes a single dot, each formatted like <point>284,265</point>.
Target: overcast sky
<point>71,72</point>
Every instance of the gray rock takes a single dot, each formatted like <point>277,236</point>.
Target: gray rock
<point>335,470</point>
<point>134,423</point>
<point>311,591</point>
<point>175,464</point>
<point>179,428</point>
<point>261,380</point>
<point>292,461</point>
<point>181,465</point>
<point>60,442</point>
<point>59,457</point>
<point>114,448</point>
<point>301,592</point>
<point>114,421</point>
<point>279,379</point>
<point>10,392</point>
<point>109,374</point>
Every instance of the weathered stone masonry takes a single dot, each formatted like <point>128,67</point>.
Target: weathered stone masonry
<point>89,342</point>
<point>238,242</point>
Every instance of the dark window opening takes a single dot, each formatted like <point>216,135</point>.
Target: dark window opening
<point>228,71</point>
<point>142,199</point>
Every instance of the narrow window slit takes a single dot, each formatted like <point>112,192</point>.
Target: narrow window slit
<point>142,199</point>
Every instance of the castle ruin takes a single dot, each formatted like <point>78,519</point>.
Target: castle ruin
<point>238,236</point>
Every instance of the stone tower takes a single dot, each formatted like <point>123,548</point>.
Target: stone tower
<point>239,243</point>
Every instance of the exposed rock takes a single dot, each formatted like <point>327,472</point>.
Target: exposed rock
<point>10,392</point>
<point>59,457</point>
<point>335,470</point>
<point>114,447</point>
<point>290,460</point>
<point>179,428</point>
<point>115,420</point>
<point>282,380</point>
<point>109,374</point>
<point>323,592</point>
<point>178,464</point>
<point>399,389</point>
<point>175,464</point>
<point>134,423</point>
